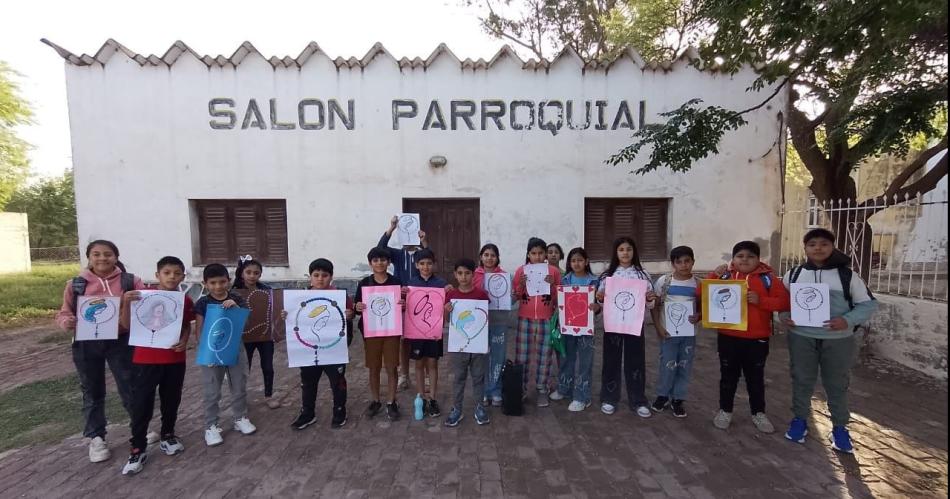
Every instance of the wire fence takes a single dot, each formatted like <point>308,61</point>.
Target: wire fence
<point>58,254</point>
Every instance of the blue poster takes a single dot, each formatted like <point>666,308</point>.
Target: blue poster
<point>221,341</point>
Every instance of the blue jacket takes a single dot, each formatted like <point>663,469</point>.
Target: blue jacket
<point>404,263</point>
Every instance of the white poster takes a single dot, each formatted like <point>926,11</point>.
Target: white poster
<point>97,318</point>
<point>407,229</point>
<point>316,327</point>
<point>676,318</point>
<point>535,274</point>
<point>156,319</point>
<point>811,304</point>
<point>468,326</point>
<point>725,305</point>
<point>498,287</point>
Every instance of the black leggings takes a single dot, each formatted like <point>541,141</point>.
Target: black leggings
<point>266,348</point>
<point>741,357</point>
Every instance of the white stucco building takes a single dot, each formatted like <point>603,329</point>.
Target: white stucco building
<point>296,158</point>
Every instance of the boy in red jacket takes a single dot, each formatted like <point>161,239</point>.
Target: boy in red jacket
<point>743,353</point>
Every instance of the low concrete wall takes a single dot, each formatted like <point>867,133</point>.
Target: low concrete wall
<point>14,243</point>
<point>911,332</point>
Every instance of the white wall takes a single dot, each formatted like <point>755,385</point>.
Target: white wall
<point>912,332</point>
<point>14,243</point>
<point>142,147</point>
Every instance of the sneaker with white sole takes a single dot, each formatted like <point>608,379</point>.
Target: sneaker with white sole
<point>152,437</point>
<point>578,406</point>
<point>98,450</point>
<point>841,440</point>
<point>722,420</point>
<point>797,430</point>
<point>213,436</point>
<point>136,462</point>
<point>762,423</point>
<point>171,445</point>
<point>496,401</point>
<point>481,415</point>
<point>244,426</point>
<point>543,399</point>
<point>556,395</point>
<point>607,408</point>
<point>643,411</point>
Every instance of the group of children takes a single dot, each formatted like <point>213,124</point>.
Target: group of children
<point>140,371</point>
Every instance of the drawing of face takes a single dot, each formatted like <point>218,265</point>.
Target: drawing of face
<point>808,298</point>
<point>497,285</point>
<point>98,311</point>
<point>321,313</point>
<point>676,313</point>
<point>408,226</point>
<point>725,298</point>
<point>422,311</point>
<point>380,306</point>
<point>624,300</point>
<point>220,334</point>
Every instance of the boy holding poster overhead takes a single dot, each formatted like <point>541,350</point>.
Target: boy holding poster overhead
<point>466,364</point>
<point>426,352</point>
<point>829,348</point>
<point>157,368</point>
<point>743,353</point>
<point>380,351</point>
<point>217,282</point>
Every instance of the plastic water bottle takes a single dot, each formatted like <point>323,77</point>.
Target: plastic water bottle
<point>418,407</point>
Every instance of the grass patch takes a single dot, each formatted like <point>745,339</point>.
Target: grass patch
<point>48,411</point>
<point>59,336</point>
<point>35,294</point>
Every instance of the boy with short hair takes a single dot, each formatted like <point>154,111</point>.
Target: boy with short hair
<point>217,282</point>
<point>157,368</point>
<point>743,353</point>
<point>830,349</point>
<point>466,364</point>
<point>321,278</point>
<point>380,352</point>
<point>676,352</point>
<point>426,353</point>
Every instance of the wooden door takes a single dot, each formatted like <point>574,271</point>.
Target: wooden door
<point>451,226</point>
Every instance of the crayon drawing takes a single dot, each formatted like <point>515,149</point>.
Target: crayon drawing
<point>157,319</point>
<point>316,327</point>
<point>468,326</point>
<point>574,313</point>
<point>97,318</point>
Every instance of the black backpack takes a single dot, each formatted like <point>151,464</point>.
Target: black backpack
<point>512,391</point>
<point>79,284</point>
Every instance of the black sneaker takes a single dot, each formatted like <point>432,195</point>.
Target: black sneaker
<point>339,417</point>
<point>303,420</point>
<point>374,408</point>
<point>434,410</point>
<point>679,408</point>
<point>392,411</point>
<point>660,404</point>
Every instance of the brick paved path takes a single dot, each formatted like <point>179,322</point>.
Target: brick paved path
<point>899,427</point>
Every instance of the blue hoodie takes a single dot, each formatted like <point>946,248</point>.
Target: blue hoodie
<point>404,262</point>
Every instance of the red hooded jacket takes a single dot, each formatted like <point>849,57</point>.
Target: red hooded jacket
<point>775,299</point>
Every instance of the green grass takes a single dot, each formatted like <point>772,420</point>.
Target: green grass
<point>25,296</point>
<point>48,411</point>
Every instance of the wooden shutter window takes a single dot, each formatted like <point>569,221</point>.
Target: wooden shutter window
<point>643,219</point>
<point>213,231</point>
<point>229,228</point>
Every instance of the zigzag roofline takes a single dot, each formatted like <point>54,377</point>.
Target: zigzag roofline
<point>376,53</point>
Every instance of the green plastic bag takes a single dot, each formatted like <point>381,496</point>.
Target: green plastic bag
<point>554,336</point>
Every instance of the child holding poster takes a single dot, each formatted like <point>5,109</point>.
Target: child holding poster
<point>533,316</point>
<point>464,364</point>
<point>497,323</point>
<point>579,350</point>
<point>427,353</point>
<point>259,337</point>
<point>157,368</point>
<point>830,349</point>
<point>743,353</point>
<point>675,318</point>
<point>217,282</point>
<point>105,276</point>
<point>380,351</point>
<point>624,352</point>
<point>321,278</point>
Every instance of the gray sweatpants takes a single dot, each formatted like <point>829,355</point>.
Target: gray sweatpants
<point>834,358</point>
<point>212,377</point>
<point>464,365</point>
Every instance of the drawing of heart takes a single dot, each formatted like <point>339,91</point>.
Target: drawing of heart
<point>423,315</point>
<point>576,311</point>
<point>156,312</point>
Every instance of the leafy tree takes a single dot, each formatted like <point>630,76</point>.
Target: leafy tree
<point>50,205</point>
<point>14,111</point>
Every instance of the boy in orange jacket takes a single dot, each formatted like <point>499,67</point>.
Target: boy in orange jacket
<point>743,353</point>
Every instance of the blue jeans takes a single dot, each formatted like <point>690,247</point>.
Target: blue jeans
<point>578,350</point>
<point>497,351</point>
<point>676,362</point>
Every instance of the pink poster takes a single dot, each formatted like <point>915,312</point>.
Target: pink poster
<point>383,313</point>
<point>576,317</point>
<point>624,304</point>
<point>424,311</point>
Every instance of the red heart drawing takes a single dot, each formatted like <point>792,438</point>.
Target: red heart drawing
<point>590,331</point>
<point>577,329</point>
<point>560,307</point>
<point>576,288</point>
<point>563,329</point>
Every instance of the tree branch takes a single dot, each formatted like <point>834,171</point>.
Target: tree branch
<point>926,183</point>
<point>769,98</point>
<point>895,186</point>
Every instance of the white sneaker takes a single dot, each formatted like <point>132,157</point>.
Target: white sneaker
<point>244,426</point>
<point>98,450</point>
<point>762,423</point>
<point>171,446</point>
<point>607,408</point>
<point>556,395</point>
<point>213,436</point>
<point>643,411</point>
<point>722,420</point>
<point>135,464</point>
<point>578,406</point>
<point>152,437</point>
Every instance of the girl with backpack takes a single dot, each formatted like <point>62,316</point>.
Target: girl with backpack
<point>247,276</point>
<point>105,276</point>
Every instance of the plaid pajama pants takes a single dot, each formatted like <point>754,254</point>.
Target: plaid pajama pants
<point>531,341</point>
